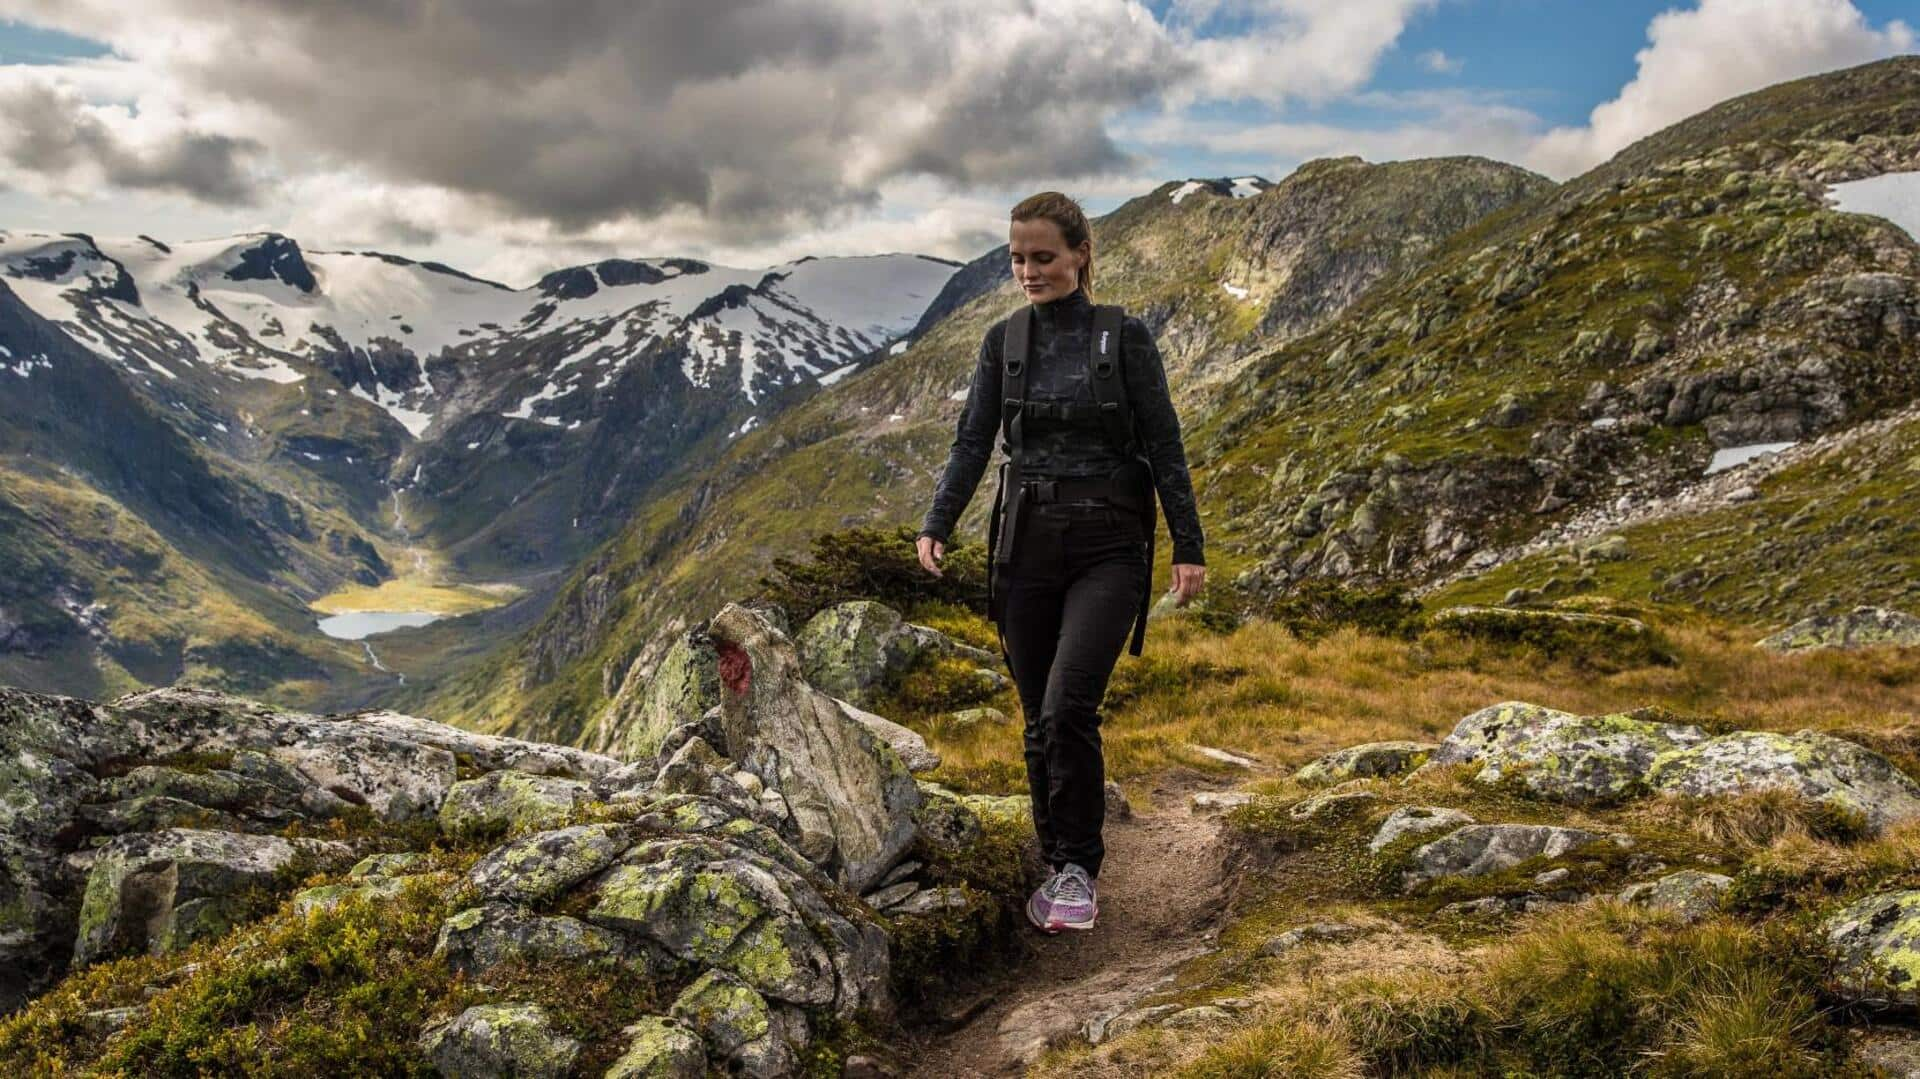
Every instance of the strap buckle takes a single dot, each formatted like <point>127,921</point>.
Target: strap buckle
<point>1041,491</point>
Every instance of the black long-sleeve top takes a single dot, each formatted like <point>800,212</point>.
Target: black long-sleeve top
<point>1056,448</point>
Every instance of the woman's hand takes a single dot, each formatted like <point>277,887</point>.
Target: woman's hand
<point>931,552</point>
<point>1187,579</point>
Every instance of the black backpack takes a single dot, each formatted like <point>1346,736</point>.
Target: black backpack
<point>1130,487</point>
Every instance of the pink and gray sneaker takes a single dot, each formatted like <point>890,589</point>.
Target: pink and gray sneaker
<point>1071,900</point>
<point>1040,906</point>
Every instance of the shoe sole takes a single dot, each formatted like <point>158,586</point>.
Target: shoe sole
<point>1074,927</point>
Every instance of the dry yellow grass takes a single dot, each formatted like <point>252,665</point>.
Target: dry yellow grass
<point>1264,692</point>
<point>412,594</point>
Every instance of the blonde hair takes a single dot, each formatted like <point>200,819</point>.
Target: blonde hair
<point>1072,221</point>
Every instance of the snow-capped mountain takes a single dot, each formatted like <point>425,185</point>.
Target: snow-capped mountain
<point>259,307</point>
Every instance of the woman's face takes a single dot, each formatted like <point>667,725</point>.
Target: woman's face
<point>1043,265</point>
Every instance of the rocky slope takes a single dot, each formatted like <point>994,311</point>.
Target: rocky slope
<point>303,418</point>
<point>768,890</point>
<point>1218,276</point>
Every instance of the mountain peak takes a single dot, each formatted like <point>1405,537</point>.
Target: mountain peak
<point>274,258</point>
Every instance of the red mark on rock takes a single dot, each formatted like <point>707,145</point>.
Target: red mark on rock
<point>736,669</point>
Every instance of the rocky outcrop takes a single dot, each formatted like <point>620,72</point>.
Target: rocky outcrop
<point>180,788</point>
<point>1862,627</point>
<point>1408,821</point>
<point>849,797</point>
<point>160,891</point>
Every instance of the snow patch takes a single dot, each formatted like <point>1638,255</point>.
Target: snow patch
<point>1734,456</point>
<point>1234,291</point>
<point>1188,188</point>
<point>1894,196</point>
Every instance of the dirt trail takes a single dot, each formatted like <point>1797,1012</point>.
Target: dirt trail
<point>1162,893</point>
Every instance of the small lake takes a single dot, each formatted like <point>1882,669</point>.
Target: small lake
<point>354,625</point>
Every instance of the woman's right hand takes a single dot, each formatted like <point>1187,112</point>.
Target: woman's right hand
<point>931,552</point>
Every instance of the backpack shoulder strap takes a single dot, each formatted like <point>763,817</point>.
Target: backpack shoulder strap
<point>1109,384</point>
<point>1013,382</point>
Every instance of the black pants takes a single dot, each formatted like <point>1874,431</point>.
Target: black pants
<point>1078,574</point>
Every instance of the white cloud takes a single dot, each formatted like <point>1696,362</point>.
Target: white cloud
<point>1312,50</point>
<point>1722,48</point>
<point>1440,63</point>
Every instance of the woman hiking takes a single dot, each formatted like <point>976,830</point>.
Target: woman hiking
<point>1078,394</point>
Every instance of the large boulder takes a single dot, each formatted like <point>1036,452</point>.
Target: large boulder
<point>1576,760</point>
<point>499,1041</point>
<point>1480,849</point>
<point>1876,945</point>
<point>1690,893</point>
<point>850,797</point>
<point>854,650</point>
<point>1862,627</point>
<point>1415,820</point>
<point>737,1025</point>
<point>904,741</point>
<point>160,891</point>
<point>1819,766</point>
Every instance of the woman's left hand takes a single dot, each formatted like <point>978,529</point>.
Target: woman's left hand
<point>1187,579</point>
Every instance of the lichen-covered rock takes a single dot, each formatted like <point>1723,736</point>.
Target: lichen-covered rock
<point>1862,627</point>
<point>1371,760</point>
<point>1575,760</point>
<point>1332,804</point>
<point>1415,820</point>
<point>1585,634</point>
<point>538,867</point>
<point>906,742</point>
<point>390,865</point>
<point>160,891</point>
<point>722,911</point>
<point>371,889</point>
<point>508,1041</point>
<point>678,690</point>
<point>509,801</point>
<point>1818,766</point>
<point>660,1048</point>
<point>944,819</point>
<point>853,650</point>
<point>479,938</point>
<point>930,901</point>
<point>967,717</point>
<point>730,1016</point>
<point>694,768</point>
<point>1690,893</point>
<point>850,797</point>
<point>1876,944</point>
<point>1479,849</point>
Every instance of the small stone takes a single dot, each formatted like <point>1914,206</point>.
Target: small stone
<point>1691,894</point>
<point>1552,876</point>
<point>899,873</point>
<point>1331,804</point>
<point>888,896</point>
<point>1235,759</point>
<point>1371,760</point>
<point>931,901</point>
<point>1118,808</point>
<point>1219,801</point>
<point>1205,1015</point>
<point>967,717</point>
<point>1306,934</point>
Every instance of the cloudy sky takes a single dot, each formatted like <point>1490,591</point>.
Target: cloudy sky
<point>508,137</point>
